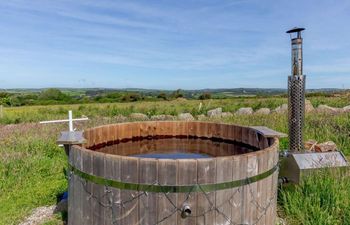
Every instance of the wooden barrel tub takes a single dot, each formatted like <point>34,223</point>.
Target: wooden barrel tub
<point>117,189</point>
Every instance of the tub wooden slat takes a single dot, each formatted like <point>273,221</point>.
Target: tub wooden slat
<point>261,191</point>
<point>236,201</point>
<point>98,190</point>
<point>112,171</point>
<point>206,174</point>
<point>167,202</point>
<point>269,180</point>
<point>129,174</point>
<point>274,187</point>
<point>252,170</point>
<point>87,202</point>
<point>186,175</point>
<point>78,187</point>
<point>99,136</point>
<point>244,192</point>
<point>245,135</point>
<point>110,132</point>
<point>87,137</point>
<point>224,171</point>
<point>72,197</point>
<point>238,133</point>
<point>148,173</point>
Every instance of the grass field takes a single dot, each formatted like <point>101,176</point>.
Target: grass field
<point>31,164</point>
<point>17,115</point>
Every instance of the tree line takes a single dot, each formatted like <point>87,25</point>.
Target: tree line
<point>55,96</point>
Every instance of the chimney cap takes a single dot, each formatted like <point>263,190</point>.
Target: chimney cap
<point>295,29</point>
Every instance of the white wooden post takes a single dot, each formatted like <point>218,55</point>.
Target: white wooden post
<point>1,111</point>
<point>70,137</point>
<point>70,123</point>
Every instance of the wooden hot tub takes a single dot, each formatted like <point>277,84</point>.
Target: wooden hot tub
<point>122,189</point>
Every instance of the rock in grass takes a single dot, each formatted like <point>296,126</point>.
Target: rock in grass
<point>215,113</point>
<point>308,106</point>
<point>121,118</point>
<point>346,108</point>
<point>263,111</point>
<point>201,117</point>
<point>226,114</point>
<point>138,116</point>
<point>281,109</point>
<point>244,111</point>
<point>328,109</point>
<point>162,117</point>
<point>185,117</point>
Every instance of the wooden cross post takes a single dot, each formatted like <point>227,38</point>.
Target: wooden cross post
<point>71,137</point>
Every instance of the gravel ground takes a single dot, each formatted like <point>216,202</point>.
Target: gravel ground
<point>39,215</point>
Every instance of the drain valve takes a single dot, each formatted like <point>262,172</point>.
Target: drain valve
<point>186,211</point>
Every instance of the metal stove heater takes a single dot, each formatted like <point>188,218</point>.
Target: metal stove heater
<point>297,162</point>
<point>296,93</point>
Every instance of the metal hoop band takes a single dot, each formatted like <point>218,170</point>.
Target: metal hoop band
<point>171,188</point>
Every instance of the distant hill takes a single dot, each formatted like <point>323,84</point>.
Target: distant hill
<point>219,91</point>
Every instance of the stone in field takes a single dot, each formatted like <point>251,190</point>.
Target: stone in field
<point>201,117</point>
<point>214,113</point>
<point>244,111</point>
<point>226,114</point>
<point>281,109</point>
<point>185,117</point>
<point>138,116</point>
<point>328,109</point>
<point>263,111</point>
<point>346,108</point>
<point>162,117</point>
<point>308,106</point>
<point>121,118</point>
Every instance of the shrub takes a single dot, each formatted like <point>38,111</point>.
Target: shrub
<point>204,96</point>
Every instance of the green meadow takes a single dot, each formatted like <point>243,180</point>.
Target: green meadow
<point>32,165</point>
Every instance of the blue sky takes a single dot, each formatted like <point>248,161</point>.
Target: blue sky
<point>171,44</point>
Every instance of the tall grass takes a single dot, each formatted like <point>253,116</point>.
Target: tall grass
<point>17,115</point>
<point>30,172</point>
<point>322,199</point>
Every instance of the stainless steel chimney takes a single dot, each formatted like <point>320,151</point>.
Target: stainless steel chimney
<point>298,163</point>
<point>296,92</point>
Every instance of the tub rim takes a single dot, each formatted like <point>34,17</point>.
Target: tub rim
<point>272,147</point>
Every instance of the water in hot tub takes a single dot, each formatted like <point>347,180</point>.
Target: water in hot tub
<point>176,148</point>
